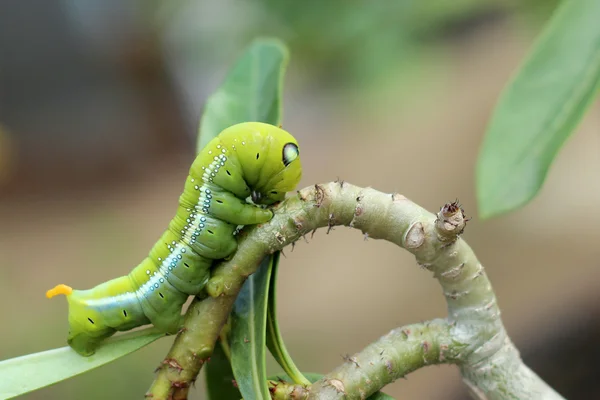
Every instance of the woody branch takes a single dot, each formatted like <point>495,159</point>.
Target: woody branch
<point>472,336</point>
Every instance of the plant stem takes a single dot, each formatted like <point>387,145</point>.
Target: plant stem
<point>393,356</point>
<point>472,336</point>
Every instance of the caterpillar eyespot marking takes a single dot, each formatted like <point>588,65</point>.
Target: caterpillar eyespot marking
<point>211,208</point>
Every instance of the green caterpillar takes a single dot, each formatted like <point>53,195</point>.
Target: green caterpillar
<point>248,160</point>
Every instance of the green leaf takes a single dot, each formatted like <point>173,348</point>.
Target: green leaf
<point>274,339</point>
<point>251,91</point>
<point>24,374</point>
<point>313,377</point>
<point>219,377</point>
<point>247,336</point>
<point>380,396</point>
<point>540,108</point>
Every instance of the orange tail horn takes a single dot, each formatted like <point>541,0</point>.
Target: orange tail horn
<point>59,289</point>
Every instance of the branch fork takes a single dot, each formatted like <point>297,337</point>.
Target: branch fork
<point>472,336</point>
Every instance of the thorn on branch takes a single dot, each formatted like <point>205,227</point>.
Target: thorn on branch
<point>452,208</point>
<point>426,266</point>
<point>171,362</point>
<point>193,382</point>
<point>301,195</point>
<point>349,359</point>
<point>273,388</point>
<point>330,223</point>
<point>478,273</point>
<point>457,206</point>
<point>280,238</point>
<point>490,304</point>
<point>180,384</point>
<point>319,195</point>
<point>455,294</point>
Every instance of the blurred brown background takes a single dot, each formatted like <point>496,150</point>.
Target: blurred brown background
<point>99,107</point>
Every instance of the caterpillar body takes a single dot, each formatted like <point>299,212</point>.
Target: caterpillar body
<point>248,160</point>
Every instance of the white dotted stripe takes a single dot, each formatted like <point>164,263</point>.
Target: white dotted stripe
<point>195,223</point>
<point>123,299</point>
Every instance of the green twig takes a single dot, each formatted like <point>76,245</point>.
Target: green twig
<point>472,336</point>
<point>393,356</point>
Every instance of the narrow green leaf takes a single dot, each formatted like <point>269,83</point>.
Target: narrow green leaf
<point>380,396</point>
<point>540,108</point>
<point>274,339</point>
<point>219,377</point>
<point>24,374</point>
<point>313,377</point>
<point>251,91</point>
<point>247,336</point>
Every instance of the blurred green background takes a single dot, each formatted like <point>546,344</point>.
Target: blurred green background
<point>99,108</point>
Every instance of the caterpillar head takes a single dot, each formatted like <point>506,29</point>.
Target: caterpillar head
<point>285,179</point>
<point>283,171</point>
<point>267,159</point>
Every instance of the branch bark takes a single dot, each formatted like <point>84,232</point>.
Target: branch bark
<point>393,356</point>
<point>472,336</point>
